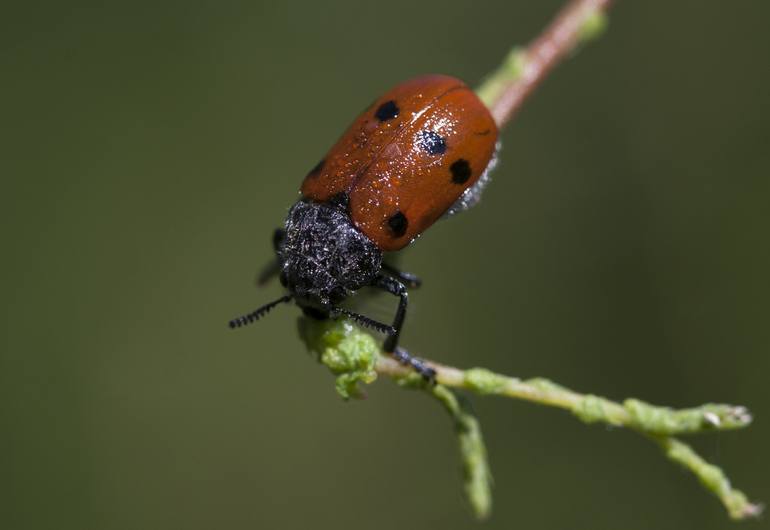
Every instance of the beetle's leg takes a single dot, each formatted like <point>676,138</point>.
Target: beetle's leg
<point>363,320</point>
<point>279,234</point>
<point>267,273</point>
<point>395,287</point>
<point>418,365</point>
<point>272,268</point>
<point>407,278</point>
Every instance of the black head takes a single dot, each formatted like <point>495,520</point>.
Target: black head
<point>324,257</point>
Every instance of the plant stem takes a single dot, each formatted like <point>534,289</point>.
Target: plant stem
<point>656,423</point>
<point>355,357</point>
<point>473,452</point>
<point>506,89</point>
<point>632,413</point>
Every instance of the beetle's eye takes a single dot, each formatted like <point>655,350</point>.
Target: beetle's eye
<point>284,280</point>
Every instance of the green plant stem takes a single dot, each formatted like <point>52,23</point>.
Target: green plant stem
<point>355,357</point>
<point>657,423</point>
<point>473,452</point>
<point>506,89</point>
<point>632,413</point>
<point>711,476</point>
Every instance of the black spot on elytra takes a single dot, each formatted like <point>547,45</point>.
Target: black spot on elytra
<point>461,171</point>
<point>431,142</point>
<point>317,168</point>
<point>387,111</point>
<point>398,224</point>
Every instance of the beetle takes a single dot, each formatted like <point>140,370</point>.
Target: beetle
<point>421,151</point>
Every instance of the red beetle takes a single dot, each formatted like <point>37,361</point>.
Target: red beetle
<point>421,151</point>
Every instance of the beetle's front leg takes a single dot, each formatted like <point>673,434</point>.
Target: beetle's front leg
<point>395,287</point>
<point>407,278</point>
<point>273,267</point>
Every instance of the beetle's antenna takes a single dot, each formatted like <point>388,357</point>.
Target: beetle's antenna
<point>366,321</point>
<point>258,313</point>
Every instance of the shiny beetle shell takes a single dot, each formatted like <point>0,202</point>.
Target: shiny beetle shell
<point>407,159</point>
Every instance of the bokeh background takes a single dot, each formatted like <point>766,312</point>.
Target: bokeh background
<point>150,148</point>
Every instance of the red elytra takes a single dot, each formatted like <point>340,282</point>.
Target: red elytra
<point>406,160</point>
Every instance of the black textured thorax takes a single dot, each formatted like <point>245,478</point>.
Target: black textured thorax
<point>324,257</point>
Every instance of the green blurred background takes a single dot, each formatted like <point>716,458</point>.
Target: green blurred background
<point>150,148</point>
